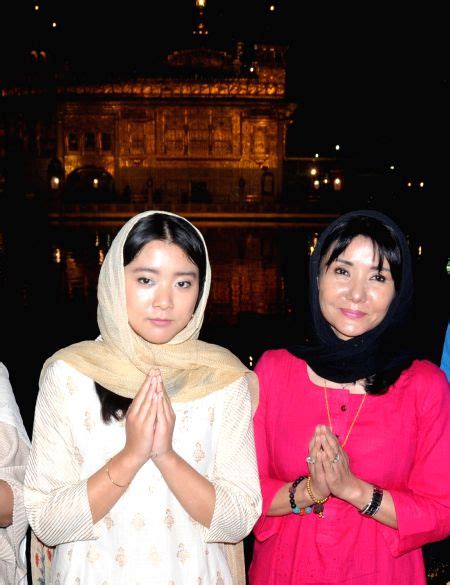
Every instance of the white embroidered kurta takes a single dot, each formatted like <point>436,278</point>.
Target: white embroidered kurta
<point>14,448</point>
<point>147,537</point>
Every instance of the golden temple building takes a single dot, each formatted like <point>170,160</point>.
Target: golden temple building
<point>209,129</point>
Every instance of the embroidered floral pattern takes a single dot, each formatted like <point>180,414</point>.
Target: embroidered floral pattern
<point>185,421</point>
<point>182,553</point>
<point>108,521</point>
<point>78,456</point>
<point>121,558</point>
<point>168,519</point>
<point>93,555</point>
<point>199,454</point>
<point>88,422</point>
<point>154,557</point>
<point>138,521</point>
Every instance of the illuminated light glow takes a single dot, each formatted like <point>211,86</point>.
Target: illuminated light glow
<point>95,183</point>
<point>57,255</point>
<point>313,171</point>
<point>421,184</point>
<point>409,184</point>
<point>54,25</point>
<point>36,6</point>
<point>251,69</point>
<point>392,167</point>
<point>313,244</point>
<point>54,182</point>
<point>316,184</point>
<point>325,181</point>
<point>337,184</point>
<point>316,155</point>
<point>200,3</point>
<point>272,8</point>
<point>101,257</point>
<point>419,250</point>
<point>337,147</point>
<point>250,360</point>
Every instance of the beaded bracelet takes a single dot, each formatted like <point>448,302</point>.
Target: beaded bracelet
<point>318,503</point>
<point>292,488</point>
<point>373,506</point>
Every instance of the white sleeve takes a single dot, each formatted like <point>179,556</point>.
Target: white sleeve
<point>13,458</point>
<point>235,475</point>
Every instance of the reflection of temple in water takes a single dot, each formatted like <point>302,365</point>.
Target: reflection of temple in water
<point>247,274</point>
<point>208,127</point>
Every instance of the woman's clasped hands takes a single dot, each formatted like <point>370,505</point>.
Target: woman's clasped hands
<point>150,421</point>
<point>329,466</point>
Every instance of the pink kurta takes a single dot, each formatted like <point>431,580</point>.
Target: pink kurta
<point>400,441</point>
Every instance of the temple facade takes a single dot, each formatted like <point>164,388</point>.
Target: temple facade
<point>207,130</point>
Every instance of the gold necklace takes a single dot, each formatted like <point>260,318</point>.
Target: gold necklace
<point>354,418</point>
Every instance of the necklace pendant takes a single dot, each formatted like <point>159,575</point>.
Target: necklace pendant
<point>318,509</point>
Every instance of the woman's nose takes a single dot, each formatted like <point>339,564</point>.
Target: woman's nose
<point>356,291</point>
<point>163,297</point>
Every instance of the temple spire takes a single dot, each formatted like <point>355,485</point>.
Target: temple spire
<point>200,28</point>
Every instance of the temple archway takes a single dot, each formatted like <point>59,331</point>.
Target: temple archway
<point>90,184</point>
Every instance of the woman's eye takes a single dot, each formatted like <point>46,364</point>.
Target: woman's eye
<point>340,270</point>
<point>183,284</point>
<point>144,280</point>
<point>379,277</point>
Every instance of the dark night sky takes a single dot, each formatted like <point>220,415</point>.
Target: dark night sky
<point>374,82</point>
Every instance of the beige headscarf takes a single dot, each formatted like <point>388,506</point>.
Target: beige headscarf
<point>120,359</point>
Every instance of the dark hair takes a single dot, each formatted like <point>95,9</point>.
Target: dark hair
<point>386,244</point>
<point>165,228</point>
<point>383,237</point>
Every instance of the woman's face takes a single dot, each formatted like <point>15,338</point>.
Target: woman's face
<point>161,287</point>
<point>354,295</point>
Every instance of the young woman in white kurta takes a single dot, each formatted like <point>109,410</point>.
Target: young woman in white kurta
<point>159,495</point>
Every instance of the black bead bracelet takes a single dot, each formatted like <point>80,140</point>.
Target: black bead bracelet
<point>292,488</point>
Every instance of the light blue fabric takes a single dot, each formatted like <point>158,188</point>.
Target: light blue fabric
<point>445,360</point>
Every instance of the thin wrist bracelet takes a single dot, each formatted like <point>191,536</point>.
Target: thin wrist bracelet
<point>318,503</point>
<point>115,482</point>
<point>292,488</point>
<point>373,506</point>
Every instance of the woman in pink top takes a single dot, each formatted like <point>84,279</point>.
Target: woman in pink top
<point>352,433</point>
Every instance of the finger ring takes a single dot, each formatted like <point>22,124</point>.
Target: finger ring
<point>336,458</point>
<point>310,460</point>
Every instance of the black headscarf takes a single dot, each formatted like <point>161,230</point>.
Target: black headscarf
<point>381,352</point>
